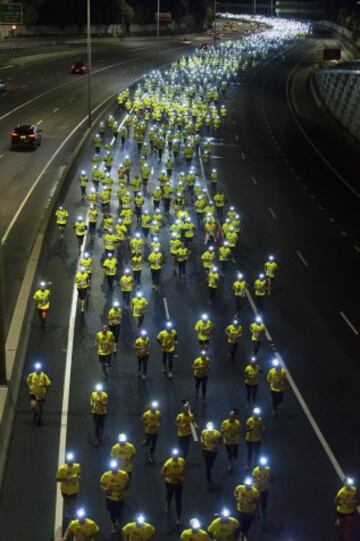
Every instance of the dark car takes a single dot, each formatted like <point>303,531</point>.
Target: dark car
<point>78,67</point>
<point>205,46</point>
<point>26,136</point>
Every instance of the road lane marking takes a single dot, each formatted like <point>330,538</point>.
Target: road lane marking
<point>254,180</point>
<point>39,122</point>
<point>301,257</point>
<point>56,110</point>
<point>300,399</point>
<point>272,213</point>
<point>331,219</point>
<point>166,308</point>
<point>347,320</point>
<point>344,234</point>
<point>1,156</point>
<point>23,86</point>
<point>70,100</point>
<point>243,155</point>
<point>357,249</point>
<point>237,137</point>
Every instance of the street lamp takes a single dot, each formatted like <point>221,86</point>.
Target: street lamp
<point>88,17</point>
<point>157,33</point>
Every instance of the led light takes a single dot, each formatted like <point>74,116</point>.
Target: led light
<point>122,438</point>
<point>203,352</point>
<point>116,304</point>
<point>143,332</point>
<point>139,294</point>
<point>169,324</point>
<point>86,254</point>
<point>126,271</point>
<point>210,426</point>
<point>38,366</point>
<point>240,276</point>
<point>195,524</point>
<point>235,322</point>
<point>349,481</point>
<point>263,461</point>
<point>258,319</point>
<point>248,481</point>
<point>271,258</point>
<point>175,452</point>
<point>114,465</point>
<point>256,411</point>
<point>42,284</point>
<point>99,387</point>
<point>70,457</point>
<point>225,513</point>
<point>140,519</point>
<point>80,513</point>
<point>275,363</point>
<point>214,269</point>
<point>204,317</point>
<point>154,404</point>
<point>261,276</point>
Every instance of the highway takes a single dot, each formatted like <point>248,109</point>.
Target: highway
<point>291,204</point>
<point>41,90</point>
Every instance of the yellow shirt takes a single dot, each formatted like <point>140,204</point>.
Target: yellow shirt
<point>257,330</point>
<point>201,367</point>
<point>230,429</point>
<point>277,379</point>
<point>114,316</point>
<point>233,333</point>
<point>151,419</point>
<point>183,422</point>
<point>125,452</point>
<point>85,531</point>
<point>80,228</point>
<point>346,500</point>
<point>239,287</point>
<point>114,484</point>
<point>261,476</point>
<point>139,306</point>
<point>246,499</point>
<point>110,266</point>
<point>204,329</point>
<point>135,532</point>
<point>213,279</point>
<point>167,339</point>
<point>270,268</point>
<point>260,287</point>
<point>173,470</point>
<point>42,298</point>
<point>82,280</point>
<point>194,535</point>
<point>224,529</point>
<point>210,440</point>
<point>253,428</point>
<point>251,374</point>
<point>99,402</point>
<point>38,384</point>
<point>105,342</point>
<point>69,477</point>
<point>126,282</point>
<point>155,260</point>
<point>61,216</point>
<point>142,346</point>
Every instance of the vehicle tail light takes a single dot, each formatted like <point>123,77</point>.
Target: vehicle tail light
<point>32,136</point>
<point>14,134</point>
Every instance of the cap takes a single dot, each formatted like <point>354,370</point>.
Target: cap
<point>210,426</point>
<point>194,523</point>
<point>122,437</point>
<point>248,481</point>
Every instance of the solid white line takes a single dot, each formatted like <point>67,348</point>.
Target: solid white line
<point>166,308</point>
<point>243,156</point>
<point>40,122</point>
<point>331,219</point>
<point>237,137</point>
<point>302,402</point>
<point>254,180</point>
<point>272,213</point>
<point>1,156</point>
<point>6,67</point>
<point>357,248</point>
<point>344,234</point>
<point>44,169</point>
<point>314,147</point>
<point>301,257</point>
<point>56,110</point>
<point>347,320</point>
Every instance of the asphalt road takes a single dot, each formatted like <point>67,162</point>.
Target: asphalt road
<point>320,349</point>
<point>41,90</point>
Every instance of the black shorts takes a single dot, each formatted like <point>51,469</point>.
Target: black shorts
<point>33,397</point>
<point>82,293</point>
<point>104,359</point>
<point>69,497</point>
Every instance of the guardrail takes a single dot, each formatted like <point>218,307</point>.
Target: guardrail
<point>340,91</point>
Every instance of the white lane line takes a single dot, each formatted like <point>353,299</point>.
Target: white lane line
<point>237,137</point>
<point>254,180</point>
<point>344,234</point>
<point>347,320</point>
<point>291,106</point>
<point>357,249</point>
<point>39,122</point>
<point>166,308</point>
<point>331,219</point>
<point>301,400</point>
<point>56,110</point>
<point>243,156</point>
<point>70,100</point>
<point>1,156</point>
<point>57,87</point>
<point>23,86</point>
<point>6,67</point>
<point>301,257</point>
<point>44,169</point>
<point>272,213</point>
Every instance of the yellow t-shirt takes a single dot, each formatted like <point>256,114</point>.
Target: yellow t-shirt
<point>134,532</point>
<point>224,529</point>
<point>173,470</point>
<point>210,440</point>
<point>251,374</point>
<point>142,346</point>
<point>253,429</point>
<point>277,379</point>
<point>261,476</point>
<point>126,282</point>
<point>204,329</point>
<point>114,484</point>
<point>239,287</point>
<point>233,333</point>
<point>98,402</point>
<point>125,452</point>
<point>151,420</point>
<point>104,342</point>
<point>246,498</point>
<point>230,429</point>
<point>346,500</point>
<point>82,280</point>
<point>85,531</point>
<point>139,306</point>
<point>201,367</point>
<point>167,339</point>
<point>257,330</point>
<point>183,423</point>
<point>197,535</point>
<point>42,298</point>
<point>38,384</point>
<point>69,477</point>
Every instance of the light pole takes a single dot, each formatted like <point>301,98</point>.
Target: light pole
<point>157,34</point>
<point>88,26</point>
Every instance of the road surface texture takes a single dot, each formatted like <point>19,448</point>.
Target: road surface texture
<point>278,183</point>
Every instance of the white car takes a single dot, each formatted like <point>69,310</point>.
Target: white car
<point>186,41</point>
